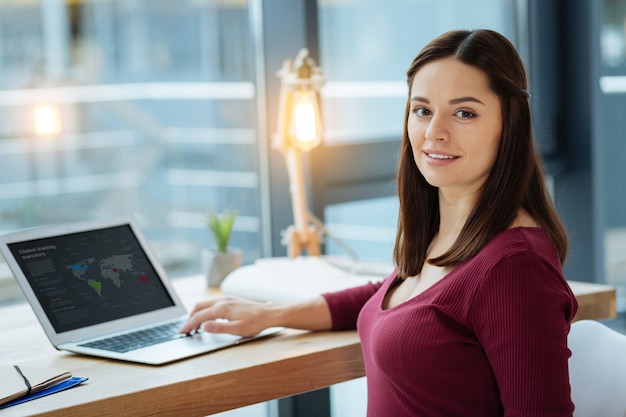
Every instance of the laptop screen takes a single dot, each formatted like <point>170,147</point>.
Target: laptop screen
<point>87,278</point>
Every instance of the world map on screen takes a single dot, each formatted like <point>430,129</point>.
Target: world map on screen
<point>94,271</point>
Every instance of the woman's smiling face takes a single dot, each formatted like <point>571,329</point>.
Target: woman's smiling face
<point>454,125</point>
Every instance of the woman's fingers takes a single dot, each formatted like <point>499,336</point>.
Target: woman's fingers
<point>227,315</point>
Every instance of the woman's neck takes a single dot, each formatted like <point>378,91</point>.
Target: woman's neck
<point>453,213</point>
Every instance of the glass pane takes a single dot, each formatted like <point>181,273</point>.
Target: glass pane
<point>613,33</point>
<point>364,229</point>
<point>611,146</point>
<point>153,103</point>
<point>366,47</point>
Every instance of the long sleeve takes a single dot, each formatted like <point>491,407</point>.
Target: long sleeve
<point>521,317</point>
<point>346,305</point>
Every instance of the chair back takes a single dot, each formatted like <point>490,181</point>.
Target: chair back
<point>597,370</point>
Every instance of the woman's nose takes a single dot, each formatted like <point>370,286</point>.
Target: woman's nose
<point>437,129</point>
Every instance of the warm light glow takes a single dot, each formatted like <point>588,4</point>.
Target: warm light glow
<point>47,120</point>
<point>305,121</point>
<point>305,130</point>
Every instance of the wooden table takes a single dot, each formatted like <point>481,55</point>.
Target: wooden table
<point>595,301</point>
<point>291,363</point>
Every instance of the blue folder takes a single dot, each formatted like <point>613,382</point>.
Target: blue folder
<point>69,383</point>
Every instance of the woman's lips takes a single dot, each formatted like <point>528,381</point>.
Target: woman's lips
<point>439,159</point>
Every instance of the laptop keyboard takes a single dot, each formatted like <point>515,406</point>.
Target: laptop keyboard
<point>139,339</point>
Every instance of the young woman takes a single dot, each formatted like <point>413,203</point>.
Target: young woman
<point>474,320</point>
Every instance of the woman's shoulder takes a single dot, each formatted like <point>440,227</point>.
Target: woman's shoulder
<point>518,256</point>
<point>532,236</point>
<point>531,242</point>
<point>523,236</point>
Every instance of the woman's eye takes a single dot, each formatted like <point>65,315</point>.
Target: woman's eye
<point>421,111</point>
<point>464,114</point>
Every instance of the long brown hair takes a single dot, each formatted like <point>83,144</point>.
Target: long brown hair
<point>515,182</point>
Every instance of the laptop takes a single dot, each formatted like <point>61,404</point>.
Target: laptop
<point>98,290</point>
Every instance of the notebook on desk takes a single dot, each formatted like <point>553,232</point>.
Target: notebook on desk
<point>98,290</point>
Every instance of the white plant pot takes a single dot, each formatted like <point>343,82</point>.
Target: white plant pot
<point>217,265</point>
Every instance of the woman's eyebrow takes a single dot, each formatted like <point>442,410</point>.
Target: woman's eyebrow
<point>465,99</point>
<point>422,99</point>
<point>453,101</point>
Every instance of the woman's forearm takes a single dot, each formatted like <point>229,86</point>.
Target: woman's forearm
<point>246,318</point>
<point>312,314</point>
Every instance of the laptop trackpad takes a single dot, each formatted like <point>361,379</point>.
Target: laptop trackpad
<point>207,338</point>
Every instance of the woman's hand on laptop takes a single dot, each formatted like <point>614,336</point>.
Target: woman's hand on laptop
<point>229,315</point>
<point>246,318</point>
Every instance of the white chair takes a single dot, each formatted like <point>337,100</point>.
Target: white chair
<point>597,370</point>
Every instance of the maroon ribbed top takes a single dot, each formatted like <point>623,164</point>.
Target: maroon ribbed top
<point>489,339</point>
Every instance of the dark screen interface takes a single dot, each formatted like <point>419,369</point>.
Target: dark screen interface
<point>87,278</point>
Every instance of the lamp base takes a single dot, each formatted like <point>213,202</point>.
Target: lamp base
<point>302,241</point>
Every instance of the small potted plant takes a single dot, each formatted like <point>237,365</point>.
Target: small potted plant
<point>221,260</point>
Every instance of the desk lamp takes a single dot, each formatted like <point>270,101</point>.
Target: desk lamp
<point>299,129</point>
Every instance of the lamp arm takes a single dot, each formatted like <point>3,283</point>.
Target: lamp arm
<point>302,236</point>
<point>293,159</point>
<point>299,130</point>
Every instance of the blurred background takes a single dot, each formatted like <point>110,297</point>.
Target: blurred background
<point>165,109</point>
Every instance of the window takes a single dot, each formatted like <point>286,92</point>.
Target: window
<point>152,105</point>
<point>610,144</point>
<point>365,50</point>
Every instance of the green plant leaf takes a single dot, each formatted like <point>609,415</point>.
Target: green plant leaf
<point>221,225</point>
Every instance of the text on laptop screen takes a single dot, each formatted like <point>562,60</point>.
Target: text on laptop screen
<point>87,278</point>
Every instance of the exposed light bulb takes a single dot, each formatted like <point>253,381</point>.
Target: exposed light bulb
<point>305,122</point>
